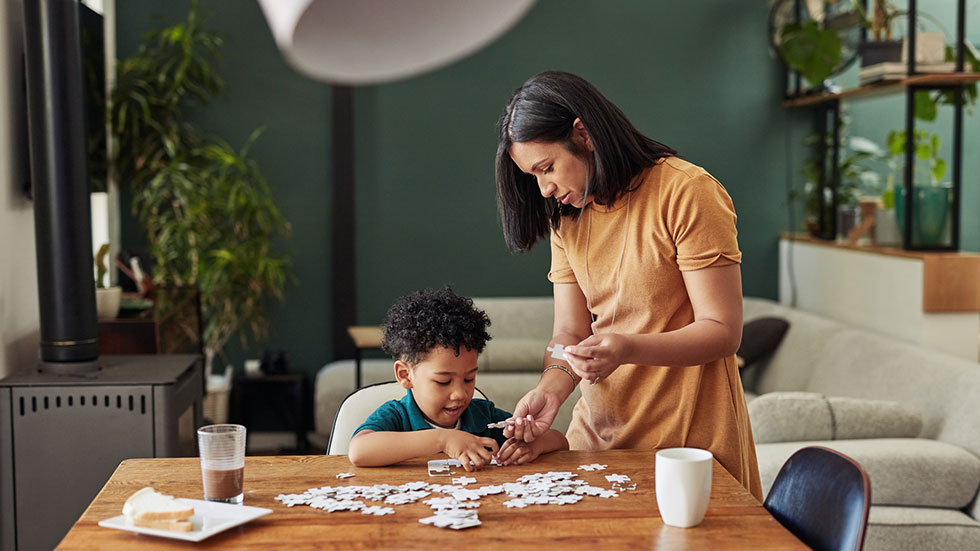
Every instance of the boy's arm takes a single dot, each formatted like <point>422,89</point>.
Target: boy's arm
<point>516,451</point>
<point>369,448</point>
<point>375,449</point>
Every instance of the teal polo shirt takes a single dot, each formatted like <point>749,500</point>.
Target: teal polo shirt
<point>405,416</point>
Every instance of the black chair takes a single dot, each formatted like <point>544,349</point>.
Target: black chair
<point>822,496</point>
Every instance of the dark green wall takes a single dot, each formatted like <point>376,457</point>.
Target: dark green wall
<point>294,154</point>
<point>695,75</point>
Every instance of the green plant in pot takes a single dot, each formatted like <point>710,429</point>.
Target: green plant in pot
<point>205,207</point>
<point>817,39</point>
<point>881,44</point>
<point>931,224</point>
<point>856,179</point>
<point>107,298</point>
<point>933,194</point>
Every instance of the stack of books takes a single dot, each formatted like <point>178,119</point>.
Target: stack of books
<point>897,70</point>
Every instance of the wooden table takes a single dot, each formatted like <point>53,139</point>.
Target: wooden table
<point>735,520</point>
<point>364,337</point>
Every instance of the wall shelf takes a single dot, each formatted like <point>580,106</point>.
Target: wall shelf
<point>943,212</point>
<point>879,89</point>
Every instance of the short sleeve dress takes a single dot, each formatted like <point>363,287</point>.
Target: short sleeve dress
<point>678,218</point>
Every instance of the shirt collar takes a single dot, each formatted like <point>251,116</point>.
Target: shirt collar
<point>473,420</point>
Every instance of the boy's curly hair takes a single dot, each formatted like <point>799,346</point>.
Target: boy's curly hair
<point>419,322</point>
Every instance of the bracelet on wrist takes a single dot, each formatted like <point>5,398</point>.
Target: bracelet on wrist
<point>563,368</point>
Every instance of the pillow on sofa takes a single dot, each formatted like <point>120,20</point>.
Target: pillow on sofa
<point>759,338</point>
<point>802,416</point>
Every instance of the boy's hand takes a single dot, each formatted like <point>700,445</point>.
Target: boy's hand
<point>468,447</point>
<point>517,452</point>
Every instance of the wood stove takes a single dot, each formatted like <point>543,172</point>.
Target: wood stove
<point>67,422</point>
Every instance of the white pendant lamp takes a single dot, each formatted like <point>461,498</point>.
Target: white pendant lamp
<point>357,42</point>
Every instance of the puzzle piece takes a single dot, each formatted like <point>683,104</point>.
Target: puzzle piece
<point>345,475</point>
<point>464,480</point>
<point>500,424</point>
<point>443,467</point>
<point>617,478</point>
<point>457,519</point>
<point>557,352</point>
<point>592,467</point>
<point>377,511</point>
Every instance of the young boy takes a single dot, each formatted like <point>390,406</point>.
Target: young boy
<point>435,338</point>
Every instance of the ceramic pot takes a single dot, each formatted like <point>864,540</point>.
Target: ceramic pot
<point>931,212</point>
<point>107,302</point>
<point>878,51</point>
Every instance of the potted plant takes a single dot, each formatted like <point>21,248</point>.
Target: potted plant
<point>882,46</point>
<point>205,207</point>
<point>107,298</point>
<point>857,179</point>
<point>933,194</point>
<point>817,41</point>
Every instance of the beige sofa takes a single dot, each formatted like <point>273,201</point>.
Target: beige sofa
<point>924,484</point>
<point>510,365</point>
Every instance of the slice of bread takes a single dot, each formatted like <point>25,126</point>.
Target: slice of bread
<point>173,525</point>
<point>150,508</point>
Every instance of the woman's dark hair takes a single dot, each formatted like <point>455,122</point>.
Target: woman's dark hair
<point>543,109</point>
<point>423,320</point>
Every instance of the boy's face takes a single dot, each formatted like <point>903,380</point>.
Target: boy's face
<point>442,383</point>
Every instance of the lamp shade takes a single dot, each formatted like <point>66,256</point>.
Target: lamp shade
<point>357,42</point>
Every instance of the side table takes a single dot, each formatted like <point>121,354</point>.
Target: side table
<point>273,403</point>
<point>364,337</point>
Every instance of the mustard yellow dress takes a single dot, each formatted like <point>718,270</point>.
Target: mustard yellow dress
<point>678,218</point>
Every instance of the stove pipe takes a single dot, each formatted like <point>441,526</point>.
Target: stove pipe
<point>62,219</point>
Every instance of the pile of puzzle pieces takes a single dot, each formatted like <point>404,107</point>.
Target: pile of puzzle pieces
<point>457,510</point>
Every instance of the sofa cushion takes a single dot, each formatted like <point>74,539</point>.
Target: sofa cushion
<point>799,354</point>
<point>520,329</point>
<point>790,417</point>
<point>759,338</point>
<point>903,471</point>
<point>513,354</point>
<point>916,528</point>
<point>800,416</point>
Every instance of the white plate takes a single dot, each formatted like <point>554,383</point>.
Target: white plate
<point>209,518</point>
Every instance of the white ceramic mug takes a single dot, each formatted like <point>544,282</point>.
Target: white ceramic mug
<point>683,478</point>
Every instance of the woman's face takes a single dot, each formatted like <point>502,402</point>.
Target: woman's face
<point>560,173</point>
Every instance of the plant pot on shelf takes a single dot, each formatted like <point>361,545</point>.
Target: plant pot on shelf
<point>107,301</point>
<point>931,224</point>
<point>886,232</point>
<point>930,49</point>
<point>879,51</point>
<point>847,218</point>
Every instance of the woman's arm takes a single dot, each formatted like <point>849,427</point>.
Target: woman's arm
<point>573,323</point>
<point>537,410</point>
<point>369,448</point>
<point>716,297</point>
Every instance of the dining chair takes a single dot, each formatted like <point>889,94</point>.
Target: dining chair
<point>822,496</point>
<point>356,408</point>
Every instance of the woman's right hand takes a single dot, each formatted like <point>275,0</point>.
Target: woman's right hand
<point>533,415</point>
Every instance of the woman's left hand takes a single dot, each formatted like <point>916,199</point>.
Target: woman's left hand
<point>597,356</point>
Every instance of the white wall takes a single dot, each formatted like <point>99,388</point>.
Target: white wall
<point>872,291</point>
<point>19,325</point>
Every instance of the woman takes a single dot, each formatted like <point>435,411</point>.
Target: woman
<point>645,267</point>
